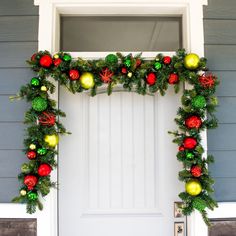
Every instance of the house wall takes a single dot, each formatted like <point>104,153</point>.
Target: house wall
<point>220,49</point>
<point>18,41</point>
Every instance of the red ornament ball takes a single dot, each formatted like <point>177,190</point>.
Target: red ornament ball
<point>207,81</point>
<point>173,78</point>
<point>33,57</point>
<point>151,78</point>
<point>31,155</point>
<point>181,148</point>
<point>45,61</point>
<point>123,70</point>
<point>57,62</point>
<point>44,170</point>
<point>196,171</point>
<point>190,143</point>
<point>47,119</point>
<point>166,60</point>
<point>74,74</point>
<point>30,181</point>
<point>193,122</point>
<point>138,62</point>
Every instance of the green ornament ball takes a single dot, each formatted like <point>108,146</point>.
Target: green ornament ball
<point>32,196</point>
<point>42,151</point>
<point>189,156</point>
<point>25,168</point>
<point>127,62</point>
<point>157,65</point>
<point>199,102</point>
<point>199,204</point>
<point>39,104</point>
<point>35,82</point>
<point>67,57</point>
<point>111,59</point>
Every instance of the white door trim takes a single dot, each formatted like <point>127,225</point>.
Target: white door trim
<point>48,39</point>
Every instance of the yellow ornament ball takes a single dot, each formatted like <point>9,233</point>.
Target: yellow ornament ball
<point>56,56</point>
<point>191,61</point>
<point>43,88</point>
<point>87,80</point>
<point>32,146</point>
<point>130,74</point>
<point>23,192</point>
<point>193,187</point>
<point>51,140</point>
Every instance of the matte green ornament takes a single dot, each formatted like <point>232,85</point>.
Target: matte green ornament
<point>35,82</point>
<point>42,151</point>
<point>157,65</point>
<point>199,102</point>
<point>39,104</point>
<point>189,156</point>
<point>67,57</point>
<point>127,62</point>
<point>111,59</point>
<point>32,196</point>
<point>25,168</point>
<point>199,204</point>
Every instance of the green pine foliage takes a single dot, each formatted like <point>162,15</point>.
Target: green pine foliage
<point>132,72</point>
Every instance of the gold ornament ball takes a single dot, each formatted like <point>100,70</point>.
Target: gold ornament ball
<point>51,140</point>
<point>23,192</point>
<point>130,74</point>
<point>87,80</point>
<point>56,56</point>
<point>32,146</point>
<point>193,187</point>
<point>44,89</point>
<point>191,61</point>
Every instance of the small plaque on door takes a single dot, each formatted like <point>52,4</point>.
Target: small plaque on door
<point>179,229</point>
<point>178,206</point>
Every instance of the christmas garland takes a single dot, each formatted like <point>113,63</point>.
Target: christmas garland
<point>134,74</point>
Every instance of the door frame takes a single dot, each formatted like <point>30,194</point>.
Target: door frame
<point>48,39</point>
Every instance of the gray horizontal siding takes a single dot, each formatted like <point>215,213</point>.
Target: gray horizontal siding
<point>17,8</point>
<point>15,28</point>
<point>18,41</point>
<point>220,49</point>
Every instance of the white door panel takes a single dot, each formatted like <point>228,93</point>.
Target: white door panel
<point>118,170</point>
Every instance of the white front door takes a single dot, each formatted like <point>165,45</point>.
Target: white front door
<point>118,171</point>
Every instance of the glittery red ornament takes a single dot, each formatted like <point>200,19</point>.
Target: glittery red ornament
<point>123,70</point>
<point>106,75</point>
<point>190,143</point>
<point>196,171</point>
<point>44,170</point>
<point>151,78</point>
<point>33,57</point>
<point>207,81</point>
<point>73,74</point>
<point>30,181</point>
<point>167,60</point>
<point>138,62</point>
<point>57,62</point>
<point>45,61</point>
<point>31,155</point>
<point>193,122</point>
<point>173,78</point>
<point>47,119</point>
<point>181,148</point>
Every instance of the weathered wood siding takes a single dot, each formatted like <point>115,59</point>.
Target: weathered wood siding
<point>18,40</point>
<point>220,49</point>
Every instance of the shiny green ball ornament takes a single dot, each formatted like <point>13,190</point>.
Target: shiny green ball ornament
<point>111,59</point>
<point>127,62</point>
<point>199,102</point>
<point>87,80</point>
<point>35,82</point>
<point>39,104</point>
<point>67,57</point>
<point>32,196</point>
<point>157,65</point>
<point>42,151</point>
<point>191,61</point>
<point>189,156</point>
